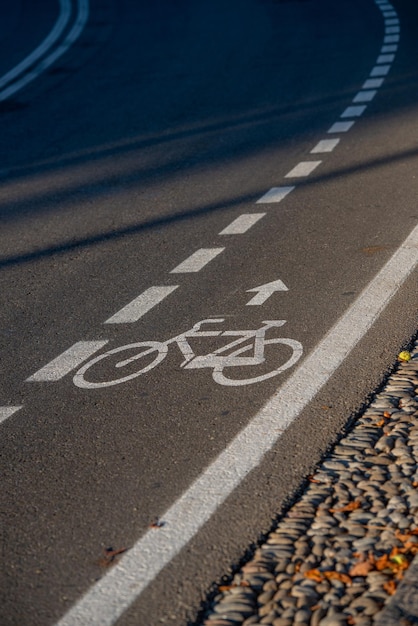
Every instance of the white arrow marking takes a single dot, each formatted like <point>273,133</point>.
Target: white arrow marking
<point>265,291</point>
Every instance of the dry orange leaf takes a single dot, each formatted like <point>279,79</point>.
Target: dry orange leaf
<point>338,576</point>
<point>314,574</point>
<point>351,506</point>
<point>390,587</point>
<point>361,569</point>
<point>386,414</point>
<point>380,423</point>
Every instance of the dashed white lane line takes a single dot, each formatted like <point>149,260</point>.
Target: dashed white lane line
<point>275,194</point>
<point>385,58</point>
<point>197,260</point>
<point>105,602</point>
<point>392,30</point>
<point>391,39</point>
<point>373,83</point>
<point>341,127</point>
<point>354,111</point>
<point>391,48</point>
<point>243,223</point>
<point>380,70</point>
<point>325,145</point>
<point>7,411</point>
<point>146,301</point>
<point>304,168</point>
<point>365,96</point>
<point>67,361</point>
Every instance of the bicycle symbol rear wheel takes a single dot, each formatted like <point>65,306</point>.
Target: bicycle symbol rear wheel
<point>150,347</point>
<point>297,350</point>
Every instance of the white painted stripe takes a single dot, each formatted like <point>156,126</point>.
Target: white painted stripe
<point>391,39</point>
<point>391,22</point>
<point>373,83</point>
<point>197,260</point>
<point>341,127</point>
<point>385,6</point>
<point>7,411</point>
<point>390,14</point>
<point>365,96</point>
<point>123,584</point>
<point>275,194</point>
<point>385,58</point>
<point>47,43</point>
<point>393,48</point>
<point>325,145</point>
<point>392,30</point>
<point>67,361</point>
<point>75,32</point>
<point>304,168</point>
<point>380,70</point>
<point>146,301</point>
<point>243,223</point>
<point>354,111</point>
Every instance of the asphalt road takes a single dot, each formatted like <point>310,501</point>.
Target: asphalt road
<point>163,124</point>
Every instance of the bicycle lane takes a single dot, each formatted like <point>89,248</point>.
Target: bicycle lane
<point>179,269</point>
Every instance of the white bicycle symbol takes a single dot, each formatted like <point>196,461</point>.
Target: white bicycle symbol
<point>254,341</point>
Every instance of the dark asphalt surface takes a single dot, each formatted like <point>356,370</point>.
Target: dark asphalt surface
<point>160,126</point>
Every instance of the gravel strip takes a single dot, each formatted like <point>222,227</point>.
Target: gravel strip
<point>339,554</point>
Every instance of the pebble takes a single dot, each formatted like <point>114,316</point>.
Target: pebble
<point>374,466</point>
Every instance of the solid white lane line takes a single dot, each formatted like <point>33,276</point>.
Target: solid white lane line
<point>354,111</point>
<point>146,301</point>
<point>365,96</point>
<point>380,70</point>
<point>197,260</point>
<point>340,127</point>
<point>47,43</point>
<point>75,32</point>
<point>275,194</point>
<point>243,223</point>
<point>105,602</point>
<point>304,168</point>
<point>385,58</point>
<point>7,411</point>
<point>373,83</point>
<point>325,145</point>
<point>67,361</point>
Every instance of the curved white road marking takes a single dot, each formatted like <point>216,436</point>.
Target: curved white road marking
<point>75,32</point>
<point>48,42</point>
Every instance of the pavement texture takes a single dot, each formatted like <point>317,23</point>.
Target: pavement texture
<point>345,552</point>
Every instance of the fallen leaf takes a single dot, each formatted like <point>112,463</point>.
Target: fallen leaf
<point>351,506</point>
<point>338,576</point>
<point>390,587</point>
<point>387,414</point>
<point>314,574</point>
<point>405,356</point>
<point>380,423</point>
<point>361,569</point>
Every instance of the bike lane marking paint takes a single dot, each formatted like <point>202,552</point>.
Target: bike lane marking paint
<point>7,411</point>
<point>242,224</point>
<point>196,261</point>
<point>105,602</point>
<point>47,43</point>
<point>275,194</point>
<point>75,32</point>
<point>304,168</point>
<point>67,361</point>
<point>146,301</point>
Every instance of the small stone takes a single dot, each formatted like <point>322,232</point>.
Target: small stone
<point>302,616</point>
<point>337,619</point>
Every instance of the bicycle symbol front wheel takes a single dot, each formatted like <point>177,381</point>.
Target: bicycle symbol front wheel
<point>154,349</point>
<point>297,350</point>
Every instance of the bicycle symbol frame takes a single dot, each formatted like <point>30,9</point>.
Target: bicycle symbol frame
<point>249,341</point>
